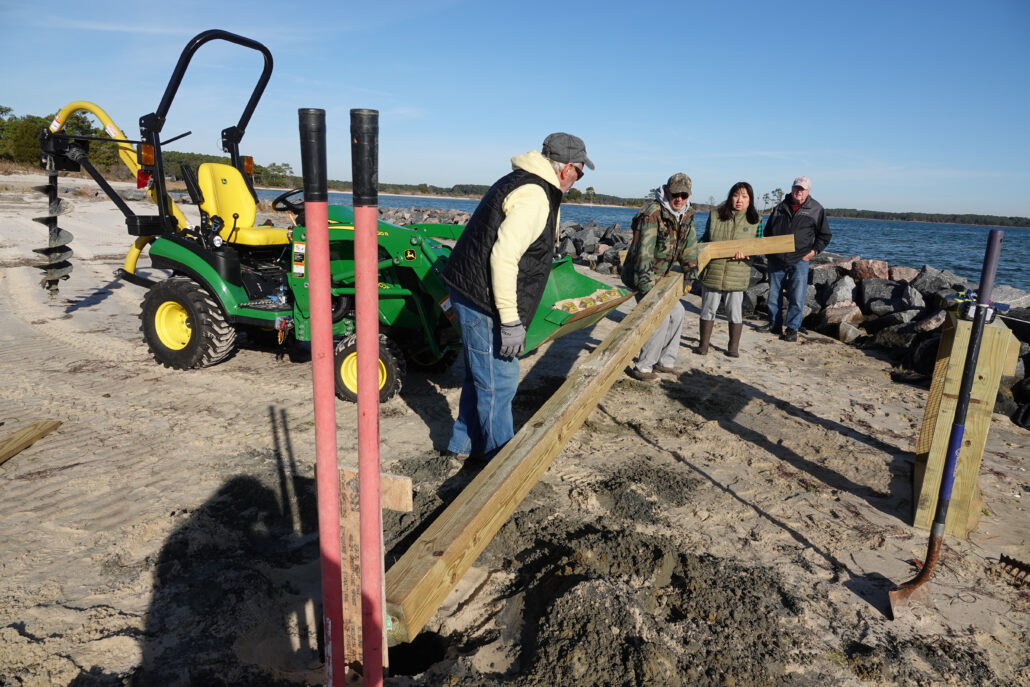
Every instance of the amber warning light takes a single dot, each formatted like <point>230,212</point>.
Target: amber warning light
<point>248,164</point>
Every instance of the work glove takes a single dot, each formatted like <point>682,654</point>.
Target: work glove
<point>513,340</point>
<point>690,270</point>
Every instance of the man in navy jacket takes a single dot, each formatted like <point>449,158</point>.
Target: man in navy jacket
<point>801,215</point>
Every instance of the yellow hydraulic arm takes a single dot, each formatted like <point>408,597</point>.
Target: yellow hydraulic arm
<point>127,154</point>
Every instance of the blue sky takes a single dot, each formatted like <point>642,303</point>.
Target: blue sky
<point>910,105</point>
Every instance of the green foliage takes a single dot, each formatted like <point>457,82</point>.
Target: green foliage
<point>278,174</point>
<point>21,140</point>
<point>933,217</point>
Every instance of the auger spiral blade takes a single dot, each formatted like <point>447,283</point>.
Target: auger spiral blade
<point>57,265</point>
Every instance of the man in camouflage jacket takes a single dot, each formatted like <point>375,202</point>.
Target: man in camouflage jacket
<point>663,234</point>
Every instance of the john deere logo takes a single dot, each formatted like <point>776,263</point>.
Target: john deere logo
<point>409,254</point>
<point>224,180</point>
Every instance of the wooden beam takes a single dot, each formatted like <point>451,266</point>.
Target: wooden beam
<point>727,249</point>
<point>394,494</point>
<point>706,252</point>
<point>21,439</point>
<point>418,583</point>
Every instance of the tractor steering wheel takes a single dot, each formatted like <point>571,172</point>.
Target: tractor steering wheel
<point>282,203</point>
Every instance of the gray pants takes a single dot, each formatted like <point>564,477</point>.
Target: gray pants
<point>710,299</point>
<point>664,344</point>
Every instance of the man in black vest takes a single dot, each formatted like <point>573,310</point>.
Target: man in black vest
<point>496,276</point>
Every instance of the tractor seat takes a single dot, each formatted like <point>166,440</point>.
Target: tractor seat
<point>224,193</point>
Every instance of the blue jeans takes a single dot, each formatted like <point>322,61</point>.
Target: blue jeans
<point>795,278</point>
<point>484,421</point>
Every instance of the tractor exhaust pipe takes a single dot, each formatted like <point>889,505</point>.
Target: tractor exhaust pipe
<point>316,213</point>
<point>900,595</point>
<point>364,130</point>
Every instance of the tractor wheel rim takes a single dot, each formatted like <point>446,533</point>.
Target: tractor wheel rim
<point>172,325</point>
<point>349,372</point>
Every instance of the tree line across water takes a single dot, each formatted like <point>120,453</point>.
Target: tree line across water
<point>19,143</point>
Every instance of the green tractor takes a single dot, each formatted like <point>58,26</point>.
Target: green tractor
<point>229,276</point>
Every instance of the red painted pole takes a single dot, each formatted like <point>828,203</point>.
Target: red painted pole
<point>316,219</point>
<point>364,127</point>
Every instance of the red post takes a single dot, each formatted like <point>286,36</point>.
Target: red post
<point>316,219</point>
<point>364,126</point>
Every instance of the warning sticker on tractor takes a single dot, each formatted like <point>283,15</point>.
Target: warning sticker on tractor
<point>448,309</point>
<point>299,251</point>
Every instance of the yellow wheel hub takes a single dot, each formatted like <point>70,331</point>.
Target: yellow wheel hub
<point>349,372</point>
<point>172,325</point>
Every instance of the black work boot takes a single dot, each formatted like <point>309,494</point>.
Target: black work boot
<point>706,336</point>
<point>735,330</point>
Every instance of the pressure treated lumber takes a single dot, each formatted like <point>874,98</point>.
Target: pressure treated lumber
<point>21,439</point>
<point>768,245</point>
<point>706,252</point>
<point>394,494</point>
<point>998,355</point>
<point>418,583</point>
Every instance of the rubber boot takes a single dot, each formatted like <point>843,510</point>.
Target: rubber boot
<point>733,349</point>
<point>706,336</point>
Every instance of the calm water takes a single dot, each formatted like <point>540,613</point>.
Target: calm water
<point>956,247</point>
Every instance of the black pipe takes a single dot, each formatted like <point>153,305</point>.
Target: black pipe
<point>78,155</point>
<point>312,155</point>
<point>364,151</point>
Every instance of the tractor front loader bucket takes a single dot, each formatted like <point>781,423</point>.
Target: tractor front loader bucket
<point>571,302</point>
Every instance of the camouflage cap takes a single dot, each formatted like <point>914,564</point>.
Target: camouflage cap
<point>562,147</point>
<point>678,183</point>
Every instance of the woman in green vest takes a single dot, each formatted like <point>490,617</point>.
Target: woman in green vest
<point>728,278</point>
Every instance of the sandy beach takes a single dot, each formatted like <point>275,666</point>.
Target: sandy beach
<point>737,523</point>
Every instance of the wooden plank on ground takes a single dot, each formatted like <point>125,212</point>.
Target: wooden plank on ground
<point>394,494</point>
<point>21,439</point>
<point>418,583</point>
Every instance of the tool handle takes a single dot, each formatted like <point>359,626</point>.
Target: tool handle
<point>313,155</point>
<point>364,156</point>
<point>990,268</point>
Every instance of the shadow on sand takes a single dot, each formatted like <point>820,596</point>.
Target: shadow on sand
<point>234,582</point>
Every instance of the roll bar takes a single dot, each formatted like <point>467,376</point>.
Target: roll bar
<point>150,125</point>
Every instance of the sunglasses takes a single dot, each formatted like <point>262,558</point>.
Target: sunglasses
<point>579,172</point>
<point>680,196</point>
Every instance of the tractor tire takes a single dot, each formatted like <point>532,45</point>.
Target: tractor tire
<point>391,368</point>
<point>183,326</point>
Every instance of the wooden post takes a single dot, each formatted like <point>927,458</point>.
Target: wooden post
<point>999,351</point>
<point>394,494</point>
<point>418,583</point>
